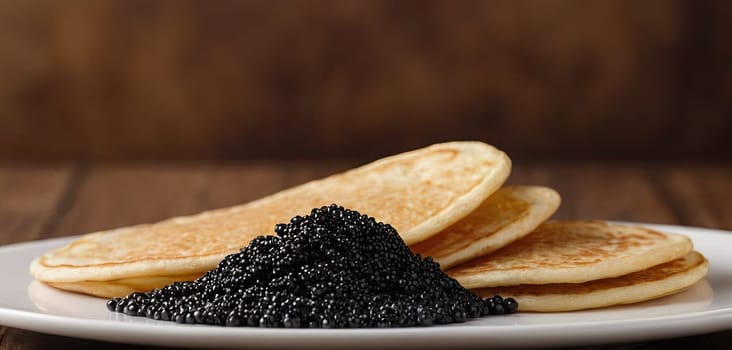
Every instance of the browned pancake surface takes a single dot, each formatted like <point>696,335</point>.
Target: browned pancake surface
<point>572,252</point>
<point>655,282</point>
<point>498,210</point>
<point>656,273</point>
<point>507,215</point>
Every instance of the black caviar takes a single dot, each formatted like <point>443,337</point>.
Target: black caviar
<point>334,268</point>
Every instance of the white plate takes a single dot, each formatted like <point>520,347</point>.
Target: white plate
<point>706,307</point>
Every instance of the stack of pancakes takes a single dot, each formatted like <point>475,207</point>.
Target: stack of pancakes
<point>446,201</point>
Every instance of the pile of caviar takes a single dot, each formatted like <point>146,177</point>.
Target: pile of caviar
<point>334,268</point>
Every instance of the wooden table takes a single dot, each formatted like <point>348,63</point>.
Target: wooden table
<point>52,200</point>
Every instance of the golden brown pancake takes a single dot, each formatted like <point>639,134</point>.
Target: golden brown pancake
<point>419,193</point>
<point>654,282</point>
<point>121,287</point>
<point>507,215</point>
<point>572,252</point>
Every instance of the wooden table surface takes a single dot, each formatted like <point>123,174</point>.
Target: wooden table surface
<point>53,200</point>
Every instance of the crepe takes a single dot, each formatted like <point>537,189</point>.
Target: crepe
<point>419,193</point>
<point>654,282</point>
<point>572,252</point>
<point>507,215</point>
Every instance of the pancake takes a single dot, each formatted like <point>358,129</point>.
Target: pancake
<point>572,252</point>
<point>420,193</point>
<point>507,215</point>
<point>655,282</point>
<point>121,287</point>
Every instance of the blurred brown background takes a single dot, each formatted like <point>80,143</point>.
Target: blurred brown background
<point>232,80</point>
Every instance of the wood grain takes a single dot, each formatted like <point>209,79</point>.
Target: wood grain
<point>30,198</point>
<point>131,79</point>
<point>699,194</point>
<point>236,184</point>
<point>56,200</point>
<point>600,191</point>
<point>119,195</point>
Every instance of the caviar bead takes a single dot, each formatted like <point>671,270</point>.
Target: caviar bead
<point>131,309</point>
<point>233,321</point>
<point>425,320</point>
<point>510,305</point>
<point>498,309</point>
<point>120,307</point>
<point>112,304</point>
<point>165,315</point>
<point>291,322</point>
